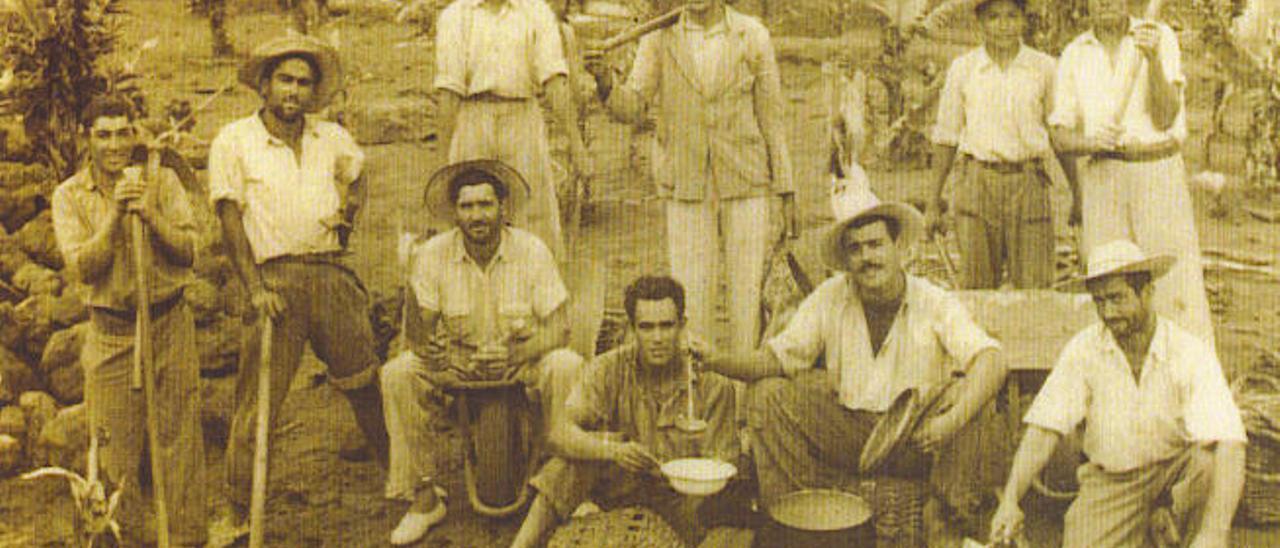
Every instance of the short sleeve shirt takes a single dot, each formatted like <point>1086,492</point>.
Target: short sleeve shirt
<point>519,286</point>
<point>510,53</point>
<point>614,395</point>
<point>932,337</point>
<point>997,114</point>
<point>283,198</point>
<point>81,208</point>
<point>1181,398</point>
<point>1089,88</point>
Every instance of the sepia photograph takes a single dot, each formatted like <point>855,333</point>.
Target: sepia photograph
<point>640,273</point>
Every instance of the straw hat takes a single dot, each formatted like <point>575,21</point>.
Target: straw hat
<point>325,57</point>
<point>855,202</point>
<point>1119,257</point>
<point>437,199</point>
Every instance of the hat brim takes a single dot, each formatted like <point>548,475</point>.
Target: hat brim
<point>978,5</point>
<point>436,196</point>
<point>910,230</point>
<point>1157,266</point>
<point>324,56</point>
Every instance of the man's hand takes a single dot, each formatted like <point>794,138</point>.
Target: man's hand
<point>129,194</point>
<point>490,359</point>
<point>266,301</point>
<point>933,222</point>
<point>1146,37</point>
<point>633,457</point>
<point>1106,137</point>
<point>935,431</point>
<point>599,69</point>
<point>1006,525</point>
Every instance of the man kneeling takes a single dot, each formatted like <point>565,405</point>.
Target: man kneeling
<point>621,422</point>
<point>1163,437</point>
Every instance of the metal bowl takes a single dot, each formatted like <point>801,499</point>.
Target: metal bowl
<point>698,477</point>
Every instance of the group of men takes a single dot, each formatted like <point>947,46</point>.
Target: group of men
<point>1163,439</point>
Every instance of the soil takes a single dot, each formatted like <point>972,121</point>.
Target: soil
<point>319,499</point>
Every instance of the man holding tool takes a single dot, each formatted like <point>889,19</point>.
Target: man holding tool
<point>721,153</point>
<point>1118,103</point>
<point>89,214</point>
<point>993,112</point>
<point>277,180</point>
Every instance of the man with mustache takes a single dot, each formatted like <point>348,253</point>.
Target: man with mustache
<point>489,301</point>
<point>1132,178</point>
<point>992,111</point>
<point>1164,440</point>
<point>638,393</point>
<point>276,180</point>
<point>881,331</point>
<point>721,154</point>
<point>90,211</point>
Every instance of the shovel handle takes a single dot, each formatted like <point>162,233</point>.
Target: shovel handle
<point>262,431</point>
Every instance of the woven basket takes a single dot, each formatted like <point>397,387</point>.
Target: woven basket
<point>898,506</point>
<point>1259,399</point>
<point>622,528</point>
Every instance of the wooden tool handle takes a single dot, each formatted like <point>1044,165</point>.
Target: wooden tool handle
<point>144,370</point>
<point>258,497</point>
<point>1131,77</point>
<point>634,33</point>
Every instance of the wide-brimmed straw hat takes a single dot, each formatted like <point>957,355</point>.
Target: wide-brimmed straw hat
<point>323,55</point>
<point>437,199</point>
<point>856,202</point>
<point>1119,257</point>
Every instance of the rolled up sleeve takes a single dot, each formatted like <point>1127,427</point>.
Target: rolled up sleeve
<point>451,50</point>
<point>1066,104</point>
<point>1171,56</point>
<point>950,119</point>
<point>349,159</point>
<point>548,48</point>
<point>226,177</point>
<point>549,292</point>
<point>646,68</point>
<point>1210,413</point>
<point>960,335</point>
<point>1063,400</point>
<point>422,280</point>
<point>800,344</point>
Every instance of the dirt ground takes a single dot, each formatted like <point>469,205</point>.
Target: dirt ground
<point>321,500</point>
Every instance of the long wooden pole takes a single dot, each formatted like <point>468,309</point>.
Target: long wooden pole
<point>143,367</point>
<point>634,33</point>
<point>258,498</point>
<point>1131,77</point>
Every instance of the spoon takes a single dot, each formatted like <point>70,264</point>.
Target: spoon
<point>689,422</point>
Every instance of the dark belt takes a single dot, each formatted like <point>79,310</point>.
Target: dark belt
<point>490,97</point>
<point>1144,153</point>
<point>1006,167</point>
<point>157,309</point>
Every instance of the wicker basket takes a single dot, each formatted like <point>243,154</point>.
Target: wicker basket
<point>1259,399</point>
<point>898,506</point>
<point>622,528</point>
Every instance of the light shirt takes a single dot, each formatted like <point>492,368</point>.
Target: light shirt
<point>997,114</point>
<point>510,53</point>
<point>81,208</point>
<point>706,46</point>
<point>932,337</point>
<point>613,396</point>
<point>1089,88</point>
<point>283,199</point>
<point>1181,398</point>
<point>518,287</point>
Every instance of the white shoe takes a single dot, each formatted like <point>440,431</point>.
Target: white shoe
<point>414,525</point>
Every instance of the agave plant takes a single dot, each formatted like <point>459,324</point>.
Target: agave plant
<point>95,509</point>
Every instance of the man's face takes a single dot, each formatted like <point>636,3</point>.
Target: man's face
<point>290,88</point>
<point>1002,23</point>
<point>871,255</point>
<point>657,327</point>
<point>1108,12</point>
<point>479,213</point>
<point>1124,311</point>
<point>111,141</point>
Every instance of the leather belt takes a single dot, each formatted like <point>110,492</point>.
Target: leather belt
<point>157,309</point>
<point>1005,167</point>
<point>490,97</point>
<point>1140,153</point>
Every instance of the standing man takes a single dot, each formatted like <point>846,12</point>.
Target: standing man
<point>637,391</point>
<point>1164,440</point>
<point>493,59</point>
<point>276,180</point>
<point>1132,179</point>
<point>90,211</point>
<point>721,153</point>
<point>993,112</point>
<point>881,332</point>
<point>490,302</point>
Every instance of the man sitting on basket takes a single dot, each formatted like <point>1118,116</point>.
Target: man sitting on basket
<point>1164,440</point>
<point>629,414</point>
<point>881,332</point>
<point>490,303</point>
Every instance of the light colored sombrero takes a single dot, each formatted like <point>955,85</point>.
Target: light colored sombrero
<point>1119,257</point>
<point>320,52</point>
<point>856,201</point>
<point>437,199</point>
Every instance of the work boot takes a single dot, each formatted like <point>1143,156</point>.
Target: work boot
<point>427,510</point>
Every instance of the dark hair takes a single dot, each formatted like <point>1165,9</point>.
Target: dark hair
<point>269,68</point>
<point>653,288</point>
<point>982,7</point>
<point>476,177</point>
<point>108,106</point>
<point>890,224</point>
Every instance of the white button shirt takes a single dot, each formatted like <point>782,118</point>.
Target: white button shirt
<point>997,114</point>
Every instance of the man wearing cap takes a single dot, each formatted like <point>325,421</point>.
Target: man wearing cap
<point>992,112</point>
<point>493,59</point>
<point>721,154</point>
<point>881,332</point>
<point>276,178</point>
<point>90,212</point>
<point>1132,178</point>
<point>1164,440</point>
<point>490,301</point>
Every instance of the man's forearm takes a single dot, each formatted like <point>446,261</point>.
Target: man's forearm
<point>1162,97</point>
<point>177,245</point>
<point>1033,453</point>
<point>944,157</point>
<point>241,254</point>
<point>568,440</point>
<point>1228,482</point>
<point>769,116</point>
<point>446,117</point>
<point>1070,141</point>
<point>747,366</point>
<point>983,381</point>
<point>551,335</point>
<point>94,259</point>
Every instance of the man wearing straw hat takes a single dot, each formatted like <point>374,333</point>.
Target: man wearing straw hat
<point>1132,178</point>
<point>276,180</point>
<point>881,332</point>
<point>89,214</point>
<point>1164,440</point>
<point>488,297</point>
